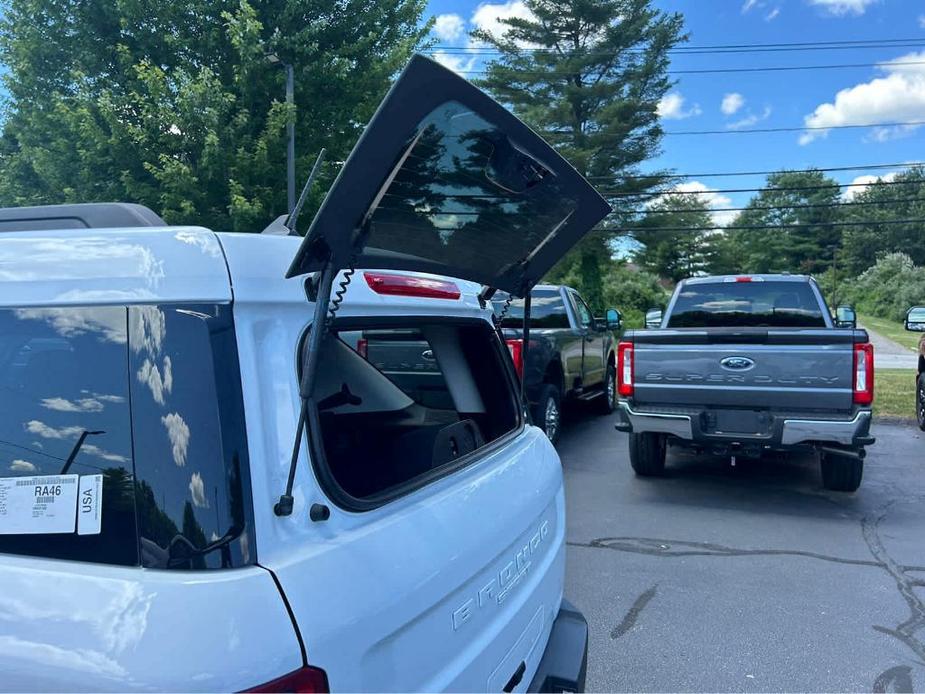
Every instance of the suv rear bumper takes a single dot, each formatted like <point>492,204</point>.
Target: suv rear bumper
<point>565,661</point>
<point>785,429</point>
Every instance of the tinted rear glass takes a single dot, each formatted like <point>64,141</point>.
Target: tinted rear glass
<point>547,310</point>
<point>65,396</point>
<point>747,304</point>
<point>150,399</point>
<point>465,189</point>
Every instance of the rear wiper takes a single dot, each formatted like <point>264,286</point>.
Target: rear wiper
<point>76,449</point>
<point>222,543</point>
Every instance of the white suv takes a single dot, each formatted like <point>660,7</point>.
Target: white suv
<point>206,486</point>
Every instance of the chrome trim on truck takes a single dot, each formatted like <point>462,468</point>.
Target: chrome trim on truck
<point>844,432</point>
<point>677,424</point>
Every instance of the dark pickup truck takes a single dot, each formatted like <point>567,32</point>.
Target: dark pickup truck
<point>571,355</point>
<point>741,365</point>
<point>915,321</point>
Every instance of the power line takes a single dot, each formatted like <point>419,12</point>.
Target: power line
<point>729,70</point>
<point>779,227</point>
<point>794,129</point>
<point>764,173</point>
<point>463,50</point>
<point>797,45</point>
<point>751,190</point>
<point>847,203</point>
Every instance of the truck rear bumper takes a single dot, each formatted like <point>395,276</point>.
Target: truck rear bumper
<point>784,430</point>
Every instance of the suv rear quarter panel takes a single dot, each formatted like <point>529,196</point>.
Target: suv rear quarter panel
<point>92,627</point>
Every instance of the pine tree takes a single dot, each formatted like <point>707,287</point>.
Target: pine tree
<point>588,76</point>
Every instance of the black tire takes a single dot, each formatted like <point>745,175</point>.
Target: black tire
<point>607,400</point>
<point>841,473</point>
<point>547,413</point>
<point>647,454</point>
<point>920,401</point>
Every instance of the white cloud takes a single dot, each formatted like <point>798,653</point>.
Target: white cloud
<point>105,322</point>
<point>38,428</point>
<point>19,465</point>
<point>705,194</point>
<point>897,97</point>
<point>862,183</point>
<point>488,16</point>
<point>178,433</point>
<point>105,455</point>
<point>671,107</point>
<point>772,15</point>
<point>750,5</point>
<point>64,405</point>
<point>750,120</point>
<point>732,102</point>
<point>449,27</point>
<point>460,63</point>
<point>197,490</point>
<point>922,21</point>
<point>839,8</point>
<point>158,383</point>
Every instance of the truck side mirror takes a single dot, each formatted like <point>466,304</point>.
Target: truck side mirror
<point>614,319</point>
<point>654,318</point>
<point>845,317</point>
<point>915,319</point>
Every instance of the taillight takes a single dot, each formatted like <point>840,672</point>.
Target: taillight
<point>363,347</point>
<point>303,681</point>
<point>863,374</point>
<point>516,347</point>
<point>625,368</point>
<point>405,285</point>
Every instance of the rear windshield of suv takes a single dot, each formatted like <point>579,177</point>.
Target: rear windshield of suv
<point>753,304</point>
<point>141,405</point>
<point>547,310</point>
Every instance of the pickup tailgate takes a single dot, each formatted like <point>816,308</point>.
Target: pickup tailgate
<point>795,369</point>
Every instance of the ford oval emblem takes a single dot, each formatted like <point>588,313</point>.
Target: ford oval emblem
<point>737,363</point>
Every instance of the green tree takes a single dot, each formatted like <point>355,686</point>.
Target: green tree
<point>632,292</point>
<point>888,288</point>
<point>808,202</point>
<point>675,237</point>
<point>590,83</point>
<point>172,103</point>
<point>903,198</point>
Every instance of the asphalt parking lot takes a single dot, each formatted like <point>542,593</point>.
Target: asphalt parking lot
<point>747,578</point>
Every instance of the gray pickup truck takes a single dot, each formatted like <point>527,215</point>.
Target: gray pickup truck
<point>742,365</point>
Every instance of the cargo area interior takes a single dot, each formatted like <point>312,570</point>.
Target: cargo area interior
<point>396,403</point>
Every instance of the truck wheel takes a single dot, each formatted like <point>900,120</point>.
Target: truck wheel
<point>608,398</point>
<point>547,414</point>
<point>841,473</point>
<point>920,401</point>
<point>647,454</point>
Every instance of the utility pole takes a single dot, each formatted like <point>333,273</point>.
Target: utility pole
<point>274,59</point>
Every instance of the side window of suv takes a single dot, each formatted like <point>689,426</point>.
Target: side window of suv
<point>64,413</point>
<point>192,473</point>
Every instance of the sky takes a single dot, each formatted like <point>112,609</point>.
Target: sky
<point>881,91</point>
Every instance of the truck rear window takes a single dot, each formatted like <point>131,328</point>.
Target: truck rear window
<point>747,305</point>
<point>547,310</point>
<point>143,401</point>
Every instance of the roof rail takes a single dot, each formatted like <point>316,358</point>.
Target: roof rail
<point>92,215</point>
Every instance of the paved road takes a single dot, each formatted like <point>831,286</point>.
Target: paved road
<point>750,578</point>
<point>889,354</point>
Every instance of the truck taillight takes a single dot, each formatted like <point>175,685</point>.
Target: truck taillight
<point>863,374</point>
<point>363,347</point>
<point>405,285</point>
<point>625,368</point>
<point>305,680</point>
<point>516,347</point>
